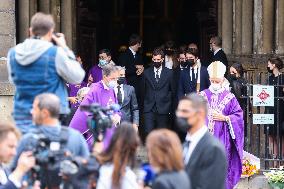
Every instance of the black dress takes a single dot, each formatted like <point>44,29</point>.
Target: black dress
<point>278,108</point>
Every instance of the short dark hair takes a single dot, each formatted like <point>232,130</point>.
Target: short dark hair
<point>217,40</point>
<point>6,128</point>
<point>198,101</point>
<point>134,39</point>
<point>106,51</point>
<point>239,68</point>
<point>192,51</point>
<point>158,51</point>
<point>50,102</point>
<point>41,24</point>
<point>277,61</point>
<point>169,44</point>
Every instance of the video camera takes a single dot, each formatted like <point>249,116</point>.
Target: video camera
<point>48,154</point>
<point>100,118</point>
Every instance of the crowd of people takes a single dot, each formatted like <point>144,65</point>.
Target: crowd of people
<point>189,111</point>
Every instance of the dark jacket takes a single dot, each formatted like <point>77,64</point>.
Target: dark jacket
<point>172,180</point>
<point>129,107</point>
<point>186,86</point>
<point>176,77</point>
<point>220,56</point>
<point>207,165</point>
<point>127,60</point>
<point>159,94</point>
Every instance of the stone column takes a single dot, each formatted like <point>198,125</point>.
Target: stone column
<point>219,17</point>
<point>227,25</point>
<point>268,25</point>
<point>33,7</point>
<point>23,18</point>
<point>247,26</point>
<point>66,20</point>
<point>44,6</point>
<point>280,27</point>
<point>238,26</point>
<point>8,40</point>
<point>257,26</point>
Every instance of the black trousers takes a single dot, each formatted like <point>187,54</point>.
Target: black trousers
<point>154,120</point>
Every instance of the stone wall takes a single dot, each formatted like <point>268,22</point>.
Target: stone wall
<point>7,40</point>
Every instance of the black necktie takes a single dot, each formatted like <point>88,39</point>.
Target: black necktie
<point>185,146</point>
<point>119,95</point>
<point>157,76</point>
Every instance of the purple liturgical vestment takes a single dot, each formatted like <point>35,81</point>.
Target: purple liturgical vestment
<point>230,133</point>
<point>97,73</point>
<point>100,94</point>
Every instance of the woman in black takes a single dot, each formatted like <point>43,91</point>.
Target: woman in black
<point>276,79</point>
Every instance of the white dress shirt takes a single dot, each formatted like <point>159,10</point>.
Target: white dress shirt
<point>133,52</point>
<point>122,91</point>
<point>169,62</point>
<point>159,71</point>
<point>194,139</point>
<point>215,52</point>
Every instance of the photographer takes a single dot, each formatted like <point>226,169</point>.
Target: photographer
<point>45,114</point>
<point>38,66</point>
<point>9,136</point>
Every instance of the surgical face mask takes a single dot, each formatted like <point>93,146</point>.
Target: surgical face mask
<point>121,80</point>
<point>269,70</point>
<point>211,49</point>
<point>157,64</point>
<point>184,64</point>
<point>190,62</point>
<point>112,84</point>
<point>182,124</point>
<point>216,86</point>
<point>103,62</point>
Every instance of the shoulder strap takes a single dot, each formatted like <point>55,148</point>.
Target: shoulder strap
<point>64,134</point>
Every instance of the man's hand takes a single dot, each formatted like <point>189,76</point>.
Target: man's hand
<point>25,163</point>
<point>73,100</point>
<point>140,69</point>
<point>59,39</point>
<point>218,116</point>
<point>115,119</point>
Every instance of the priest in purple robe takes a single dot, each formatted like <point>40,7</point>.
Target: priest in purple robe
<point>225,121</point>
<point>102,93</point>
<point>95,74</point>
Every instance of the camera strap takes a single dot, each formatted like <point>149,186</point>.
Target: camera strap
<point>64,134</point>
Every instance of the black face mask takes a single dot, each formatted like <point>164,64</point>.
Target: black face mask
<point>269,70</point>
<point>190,62</point>
<point>157,64</point>
<point>232,77</point>
<point>121,80</point>
<point>184,64</point>
<point>182,124</point>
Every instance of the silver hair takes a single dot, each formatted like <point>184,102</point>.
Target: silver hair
<point>109,69</point>
<point>197,101</point>
<point>217,40</point>
<point>50,102</point>
<point>119,68</point>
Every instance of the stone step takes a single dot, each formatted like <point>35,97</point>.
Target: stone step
<point>254,182</point>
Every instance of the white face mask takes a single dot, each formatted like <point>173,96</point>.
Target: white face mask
<point>112,84</point>
<point>216,86</point>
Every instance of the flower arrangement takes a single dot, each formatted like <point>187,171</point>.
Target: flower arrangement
<point>248,169</point>
<point>275,178</point>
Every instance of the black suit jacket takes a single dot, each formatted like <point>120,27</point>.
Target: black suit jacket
<point>127,60</point>
<point>207,166</point>
<point>185,86</point>
<point>129,106</point>
<point>159,94</point>
<point>172,180</point>
<point>220,56</point>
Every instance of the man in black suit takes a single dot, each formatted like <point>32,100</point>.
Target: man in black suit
<point>9,136</point>
<point>196,78</point>
<point>126,98</point>
<point>133,63</point>
<point>158,84</point>
<point>216,49</point>
<point>204,156</point>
